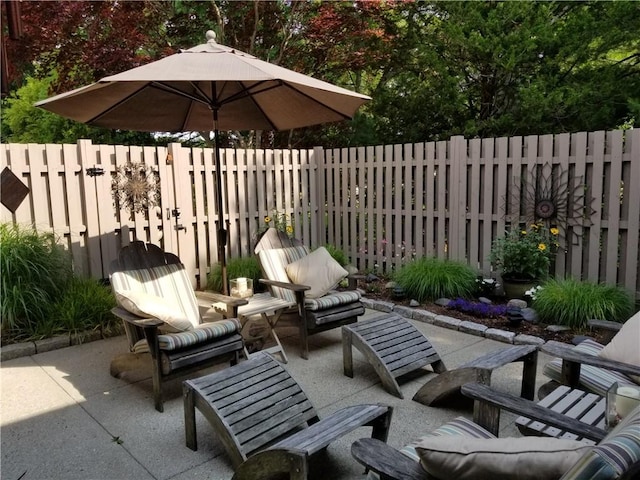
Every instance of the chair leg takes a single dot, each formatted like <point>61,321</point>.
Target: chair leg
<point>304,341</point>
<point>151,334</point>
<point>189,417</point>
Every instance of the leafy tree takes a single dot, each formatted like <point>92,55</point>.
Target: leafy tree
<point>24,123</point>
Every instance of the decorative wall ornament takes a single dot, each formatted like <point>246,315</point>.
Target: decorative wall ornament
<point>551,196</point>
<point>135,187</point>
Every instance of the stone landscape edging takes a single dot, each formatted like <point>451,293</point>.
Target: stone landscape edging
<point>16,350</point>
<point>465,326</point>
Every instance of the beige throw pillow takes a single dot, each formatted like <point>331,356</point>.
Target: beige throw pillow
<point>525,458</point>
<point>146,305</point>
<point>623,347</point>
<point>318,270</point>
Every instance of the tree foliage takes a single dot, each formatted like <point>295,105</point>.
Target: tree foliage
<point>433,69</point>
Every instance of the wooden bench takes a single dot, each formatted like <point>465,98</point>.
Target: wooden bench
<point>257,405</point>
<point>393,347</point>
<point>479,371</point>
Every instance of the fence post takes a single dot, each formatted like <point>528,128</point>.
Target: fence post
<point>457,235</point>
<point>317,171</point>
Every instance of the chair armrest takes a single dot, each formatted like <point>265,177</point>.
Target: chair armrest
<point>568,354</point>
<point>136,320</point>
<point>353,280</point>
<point>289,286</point>
<point>605,324</point>
<point>386,461</point>
<point>214,297</point>
<point>489,402</point>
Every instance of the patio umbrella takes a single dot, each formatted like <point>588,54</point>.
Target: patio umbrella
<point>209,87</point>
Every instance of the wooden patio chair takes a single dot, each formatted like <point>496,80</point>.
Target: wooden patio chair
<point>162,319</point>
<point>595,367</point>
<point>307,278</point>
<point>465,449</point>
<point>257,406</point>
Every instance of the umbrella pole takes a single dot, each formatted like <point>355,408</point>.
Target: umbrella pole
<point>222,233</point>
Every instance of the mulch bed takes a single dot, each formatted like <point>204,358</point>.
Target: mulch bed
<point>378,292</point>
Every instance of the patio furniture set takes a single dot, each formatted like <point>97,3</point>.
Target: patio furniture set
<point>268,425</point>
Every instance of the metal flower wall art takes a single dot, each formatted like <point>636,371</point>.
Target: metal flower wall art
<point>135,187</point>
<point>551,196</point>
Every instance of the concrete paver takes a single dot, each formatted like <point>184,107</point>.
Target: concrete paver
<point>62,416</point>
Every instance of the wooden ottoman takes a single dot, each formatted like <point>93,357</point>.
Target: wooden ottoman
<point>392,346</point>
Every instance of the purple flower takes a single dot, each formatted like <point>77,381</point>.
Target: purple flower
<point>477,309</point>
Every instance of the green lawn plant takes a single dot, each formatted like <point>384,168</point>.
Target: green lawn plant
<point>237,267</point>
<point>40,295</point>
<point>35,271</point>
<point>572,303</point>
<point>85,305</point>
<point>337,254</point>
<point>432,278</point>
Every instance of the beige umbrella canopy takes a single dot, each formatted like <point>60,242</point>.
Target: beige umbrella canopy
<point>210,87</point>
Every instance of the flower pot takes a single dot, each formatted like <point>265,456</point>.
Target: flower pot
<point>515,288</point>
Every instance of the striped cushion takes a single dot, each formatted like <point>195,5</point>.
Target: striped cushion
<point>170,282</point>
<point>274,262</point>
<point>200,334</point>
<point>594,379</point>
<point>332,299</point>
<point>457,426</point>
<point>613,455</point>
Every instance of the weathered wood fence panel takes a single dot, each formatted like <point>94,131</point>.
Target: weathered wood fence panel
<point>382,205</point>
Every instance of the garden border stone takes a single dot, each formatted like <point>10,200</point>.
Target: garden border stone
<point>16,350</point>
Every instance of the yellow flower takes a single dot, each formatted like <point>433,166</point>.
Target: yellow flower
<point>542,247</point>
<point>267,219</point>
<point>523,232</point>
<point>554,231</point>
<point>289,229</point>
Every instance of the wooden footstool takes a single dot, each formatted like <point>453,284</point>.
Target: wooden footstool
<point>392,346</point>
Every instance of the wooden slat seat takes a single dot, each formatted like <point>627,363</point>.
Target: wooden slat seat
<point>257,405</point>
<point>436,389</point>
<point>393,346</point>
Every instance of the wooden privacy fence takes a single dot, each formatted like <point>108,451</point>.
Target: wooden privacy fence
<point>382,205</point>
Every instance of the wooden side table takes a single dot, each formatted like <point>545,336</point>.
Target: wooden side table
<point>262,314</point>
<point>480,370</point>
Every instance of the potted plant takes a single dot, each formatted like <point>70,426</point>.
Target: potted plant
<point>523,257</point>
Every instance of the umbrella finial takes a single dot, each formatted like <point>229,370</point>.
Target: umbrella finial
<point>211,36</point>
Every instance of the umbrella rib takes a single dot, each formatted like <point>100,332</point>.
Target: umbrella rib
<point>115,105</point>
<point>177,91</point>
<point>345,117</point>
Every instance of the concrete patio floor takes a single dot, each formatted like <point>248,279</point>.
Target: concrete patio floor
<point>62,416</point>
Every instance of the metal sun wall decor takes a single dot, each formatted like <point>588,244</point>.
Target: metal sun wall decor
<point>135,187</point>
<point>550,196</point>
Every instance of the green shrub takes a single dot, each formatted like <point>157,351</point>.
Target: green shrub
<point>34,272</point>
<point>572,303</point>
<point>337,254</point>
<point>431,278</point>
<point>85,305</point>
<point>248,267</point>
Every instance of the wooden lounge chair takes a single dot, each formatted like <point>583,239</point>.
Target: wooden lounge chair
<point>256,406</point>
<point>617,454</point>
<point>155,295</point>
<point>582,366</point>
<point>275,252</point>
